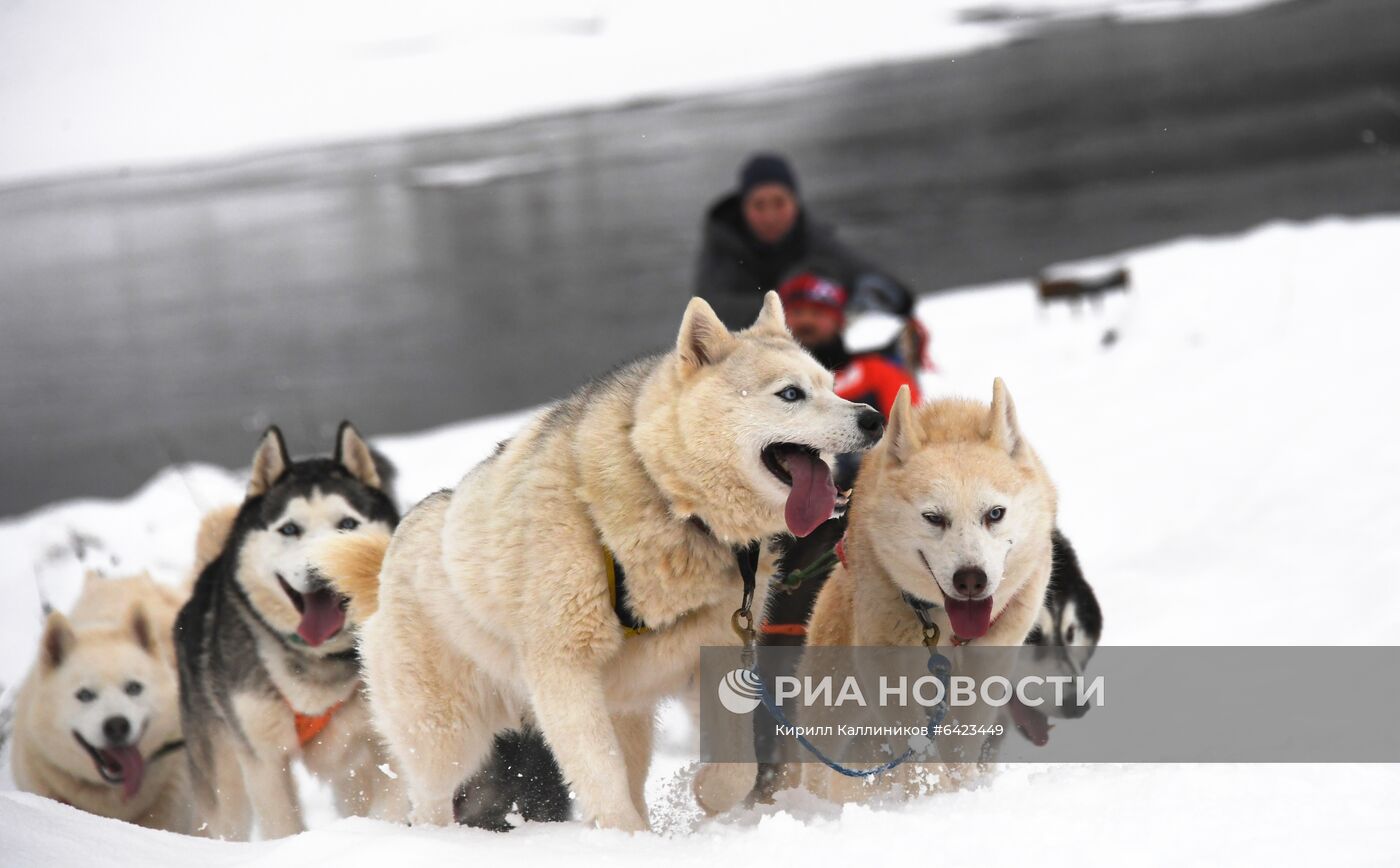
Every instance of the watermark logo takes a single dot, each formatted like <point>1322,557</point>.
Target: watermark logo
<point>740,691</point>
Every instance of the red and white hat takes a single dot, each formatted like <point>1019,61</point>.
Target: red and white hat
<point>809,288</point>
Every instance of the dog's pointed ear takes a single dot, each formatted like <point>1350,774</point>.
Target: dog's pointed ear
<point>902,438</point>
<point>140,627</point>
<point>58,641</point>
<point>352,452</point>
<point>771,318</point>
<point>1003,430</point>
<point>269,462</point>
<point>703,340</point>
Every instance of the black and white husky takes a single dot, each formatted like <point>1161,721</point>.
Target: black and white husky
<point>269,670</point>
<point>1064,637</point>
<point>268,667</point>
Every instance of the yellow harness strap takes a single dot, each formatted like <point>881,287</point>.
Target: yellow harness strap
<point>630,625</point>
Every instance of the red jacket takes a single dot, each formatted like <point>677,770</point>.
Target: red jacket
<point>875,380</point>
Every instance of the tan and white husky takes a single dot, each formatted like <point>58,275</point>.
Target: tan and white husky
<point>952,514</point>
<point>97,723</point>
<point>494,601</point>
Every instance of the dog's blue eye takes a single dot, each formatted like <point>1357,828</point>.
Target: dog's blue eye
<point>792,393</point>
<point>348,523</point>
<point>85,695</point>
<point>133,688</point>
<point>291,528</point>
<point>996,514</point>
<point>936,519</point>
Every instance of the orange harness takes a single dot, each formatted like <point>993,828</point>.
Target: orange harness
<point>775,629</point>
<point>309,726</point>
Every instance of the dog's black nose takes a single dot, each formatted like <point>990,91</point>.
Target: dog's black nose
<point>970,581</point>
<point>117,730</point>
<point>871,423</point>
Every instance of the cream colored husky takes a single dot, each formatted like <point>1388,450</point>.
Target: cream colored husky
<point>494,602</point>
<point>952,513</point>
<point>97,723</point>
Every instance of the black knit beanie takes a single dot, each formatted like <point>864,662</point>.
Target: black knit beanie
<point>766,169</point>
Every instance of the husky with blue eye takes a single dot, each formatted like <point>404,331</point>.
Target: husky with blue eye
<point>950,524</point>
<point>572,578</point>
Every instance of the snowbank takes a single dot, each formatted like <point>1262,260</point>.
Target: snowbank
<point>1225,468</point>
<point>89,84</point>
<point>1073,816</point>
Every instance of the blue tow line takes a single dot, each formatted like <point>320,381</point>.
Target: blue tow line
<point>746,558</point>
<point>938,666</point>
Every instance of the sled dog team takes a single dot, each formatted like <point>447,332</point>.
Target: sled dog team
<point>420,665</point>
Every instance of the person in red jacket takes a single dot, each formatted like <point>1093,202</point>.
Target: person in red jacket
<point>815,309</point>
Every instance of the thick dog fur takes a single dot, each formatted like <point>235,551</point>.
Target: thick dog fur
<point>493,600</point>
<point>110,660</point>
<point>245,670</point>
<point>957,460</point>
<point>354,563</point>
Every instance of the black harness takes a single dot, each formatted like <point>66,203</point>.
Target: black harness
<point>617,590</point>
<point>745,558</point>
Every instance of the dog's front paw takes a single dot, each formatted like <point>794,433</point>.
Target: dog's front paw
<point>623,821</point>
<point>720,786</point>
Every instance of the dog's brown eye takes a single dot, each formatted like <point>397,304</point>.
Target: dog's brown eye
<point>995,514</point>
<point>291,528</point>
<point>936,519</point>
<point>348,523</point>
<point>133,688</point>
<point>85,695</point>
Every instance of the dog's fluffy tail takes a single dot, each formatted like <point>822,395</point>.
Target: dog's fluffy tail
<point>214,530</point>
<point>352,563</point>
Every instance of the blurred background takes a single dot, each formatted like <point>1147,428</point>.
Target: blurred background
<point>216,215</point>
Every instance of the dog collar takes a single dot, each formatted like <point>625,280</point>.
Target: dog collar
<point>296,641</point>
<point>167,749</point>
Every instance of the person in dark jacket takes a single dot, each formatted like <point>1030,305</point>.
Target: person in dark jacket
<point>755,235</point>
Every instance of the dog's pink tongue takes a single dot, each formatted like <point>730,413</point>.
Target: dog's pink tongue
<point>133,767</point>
<point>321,616</point>
<point>970,618</point>
<point>813,495</point>
<point>1031,722</point>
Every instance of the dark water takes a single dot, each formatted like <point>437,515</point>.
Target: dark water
<point>172,315</point>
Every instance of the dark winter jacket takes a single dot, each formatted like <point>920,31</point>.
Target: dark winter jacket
<point>735,269</point>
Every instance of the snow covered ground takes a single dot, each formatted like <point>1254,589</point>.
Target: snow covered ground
<point>94,85</point>
<point>1226,467</point>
